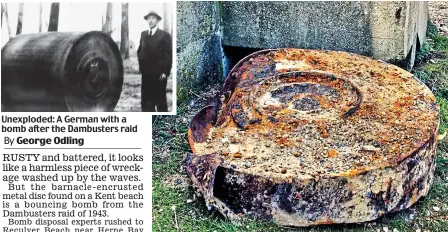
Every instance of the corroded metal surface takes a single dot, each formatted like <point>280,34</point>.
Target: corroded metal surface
<point>306,137</point>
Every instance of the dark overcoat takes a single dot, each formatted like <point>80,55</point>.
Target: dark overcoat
<point>154,58</point>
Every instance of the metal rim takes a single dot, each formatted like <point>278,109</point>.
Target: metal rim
<point>94,77</point>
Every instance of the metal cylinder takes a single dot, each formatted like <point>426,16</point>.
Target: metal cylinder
<point>61,71</point>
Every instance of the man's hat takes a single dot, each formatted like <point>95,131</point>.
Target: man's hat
<point>153,13</point>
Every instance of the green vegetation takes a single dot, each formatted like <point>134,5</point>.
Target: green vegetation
<point>435,76</point>
<point>443,103</point>
<point>176,208</point>
<point>423,54</point>
<point>434,73</point>
<point>441,43</point>
<point>432,30</point>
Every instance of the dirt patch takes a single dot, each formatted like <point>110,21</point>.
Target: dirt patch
<point>177,181</point>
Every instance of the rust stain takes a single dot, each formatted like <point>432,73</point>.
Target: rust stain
<point>332,153</point>
<point>353,172</point>
<point>283,170</point>
<point>191,140</point>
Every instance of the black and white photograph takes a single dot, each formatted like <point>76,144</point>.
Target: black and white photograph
<point>87,57</point>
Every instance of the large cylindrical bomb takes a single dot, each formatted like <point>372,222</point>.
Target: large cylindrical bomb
<point>61,71</point>
<point>305,137</point>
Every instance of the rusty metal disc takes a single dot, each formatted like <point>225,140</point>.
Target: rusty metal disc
<point>306,137</point>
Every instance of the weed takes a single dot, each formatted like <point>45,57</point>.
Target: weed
<point>432,30</point>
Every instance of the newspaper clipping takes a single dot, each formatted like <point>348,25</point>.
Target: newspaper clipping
<point>79,169</point>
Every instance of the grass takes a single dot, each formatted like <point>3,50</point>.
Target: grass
<point>435,76</point>
<point>432,30</point>
<point>177,208</point>
<point>443,103</point>
<point>131,66</point>
<point>441,43</point>
<point>434,72</point>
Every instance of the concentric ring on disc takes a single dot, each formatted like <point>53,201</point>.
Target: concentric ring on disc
<point>306,94</point>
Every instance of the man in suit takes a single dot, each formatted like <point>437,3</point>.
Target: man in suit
<point>155,61</point>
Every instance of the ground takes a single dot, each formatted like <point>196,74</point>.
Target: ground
<point>130,95</point>
<point>438,12</point>
<point>177,208</point>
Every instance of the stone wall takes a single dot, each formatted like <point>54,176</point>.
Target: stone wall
<point>390,31</point>
<point>199,48</point>
<point>383,30</point>
<point>325,25</point>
